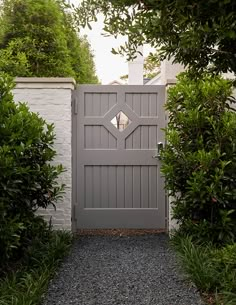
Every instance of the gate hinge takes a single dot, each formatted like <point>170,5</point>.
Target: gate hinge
<point>73,216</point>
<point>74,103</point>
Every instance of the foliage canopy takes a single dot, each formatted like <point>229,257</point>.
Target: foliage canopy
<point>152,65</point>
<point>198,34</point>
<point>37,38</point>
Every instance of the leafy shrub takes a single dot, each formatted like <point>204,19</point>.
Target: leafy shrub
<point>27,179</point>
<point>10,234</point>
<point>199,160</point>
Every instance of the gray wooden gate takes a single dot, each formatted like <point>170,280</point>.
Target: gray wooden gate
<point>116,180</point>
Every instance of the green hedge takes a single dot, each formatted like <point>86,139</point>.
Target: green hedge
<point>199,160</point>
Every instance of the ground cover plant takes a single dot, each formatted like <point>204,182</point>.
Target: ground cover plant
<point>210,268</point>
<point>26,283</point>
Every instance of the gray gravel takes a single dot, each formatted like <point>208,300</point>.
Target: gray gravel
<point>106,270</point>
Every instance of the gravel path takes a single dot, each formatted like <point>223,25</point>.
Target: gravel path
<point>113,270</point>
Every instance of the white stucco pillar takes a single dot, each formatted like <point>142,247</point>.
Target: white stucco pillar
<point>136,69</point>
<point>169,71</point>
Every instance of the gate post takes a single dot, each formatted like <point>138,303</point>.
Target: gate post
<point>169,71</point>
<point>51,98</point>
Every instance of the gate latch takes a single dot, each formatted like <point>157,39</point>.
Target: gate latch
<point>160,147</point>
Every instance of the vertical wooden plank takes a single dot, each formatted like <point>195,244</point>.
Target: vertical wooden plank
<point>120,187</point>
<point>88,137</point>
<point>112,187</point>
<point>88,172</point>
<point>129,100</point>
<point>153,187</point>
<point>104,137</point>
<point>88,104</point>
<point>112,100</point>
<point>137,138</point>
<point>85,137</point>
<point>144,137</point>
<point>96,137</point>
<point>152,132</point>
<point>144,187</point>
<point>129,142</point>
<point>112,142</point>
<point>97,186</point>
<point>137,103</point>
<point>104,187</point>
<point>97,104</point>
<point>128,187</point>
<point>104,104</point>
<point>100,105</point>
<point>152,105</point>
<point>144,105</point>
<point>160,190</point>
<point>137,187</point>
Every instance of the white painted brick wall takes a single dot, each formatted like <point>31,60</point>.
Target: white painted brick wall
<point>51,98</point>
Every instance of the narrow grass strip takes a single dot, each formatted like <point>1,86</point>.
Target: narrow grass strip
<point>27,285</point>
<point>211,269</point>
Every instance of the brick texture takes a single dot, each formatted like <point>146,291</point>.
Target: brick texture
<point>54,105</point>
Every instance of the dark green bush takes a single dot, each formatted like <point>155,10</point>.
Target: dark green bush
<point>27,179</point>
<point>199,160</point>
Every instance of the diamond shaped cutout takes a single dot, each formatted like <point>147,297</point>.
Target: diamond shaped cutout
<point>121,121</point>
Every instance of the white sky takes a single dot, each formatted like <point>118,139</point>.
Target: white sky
<point>109,67</point>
